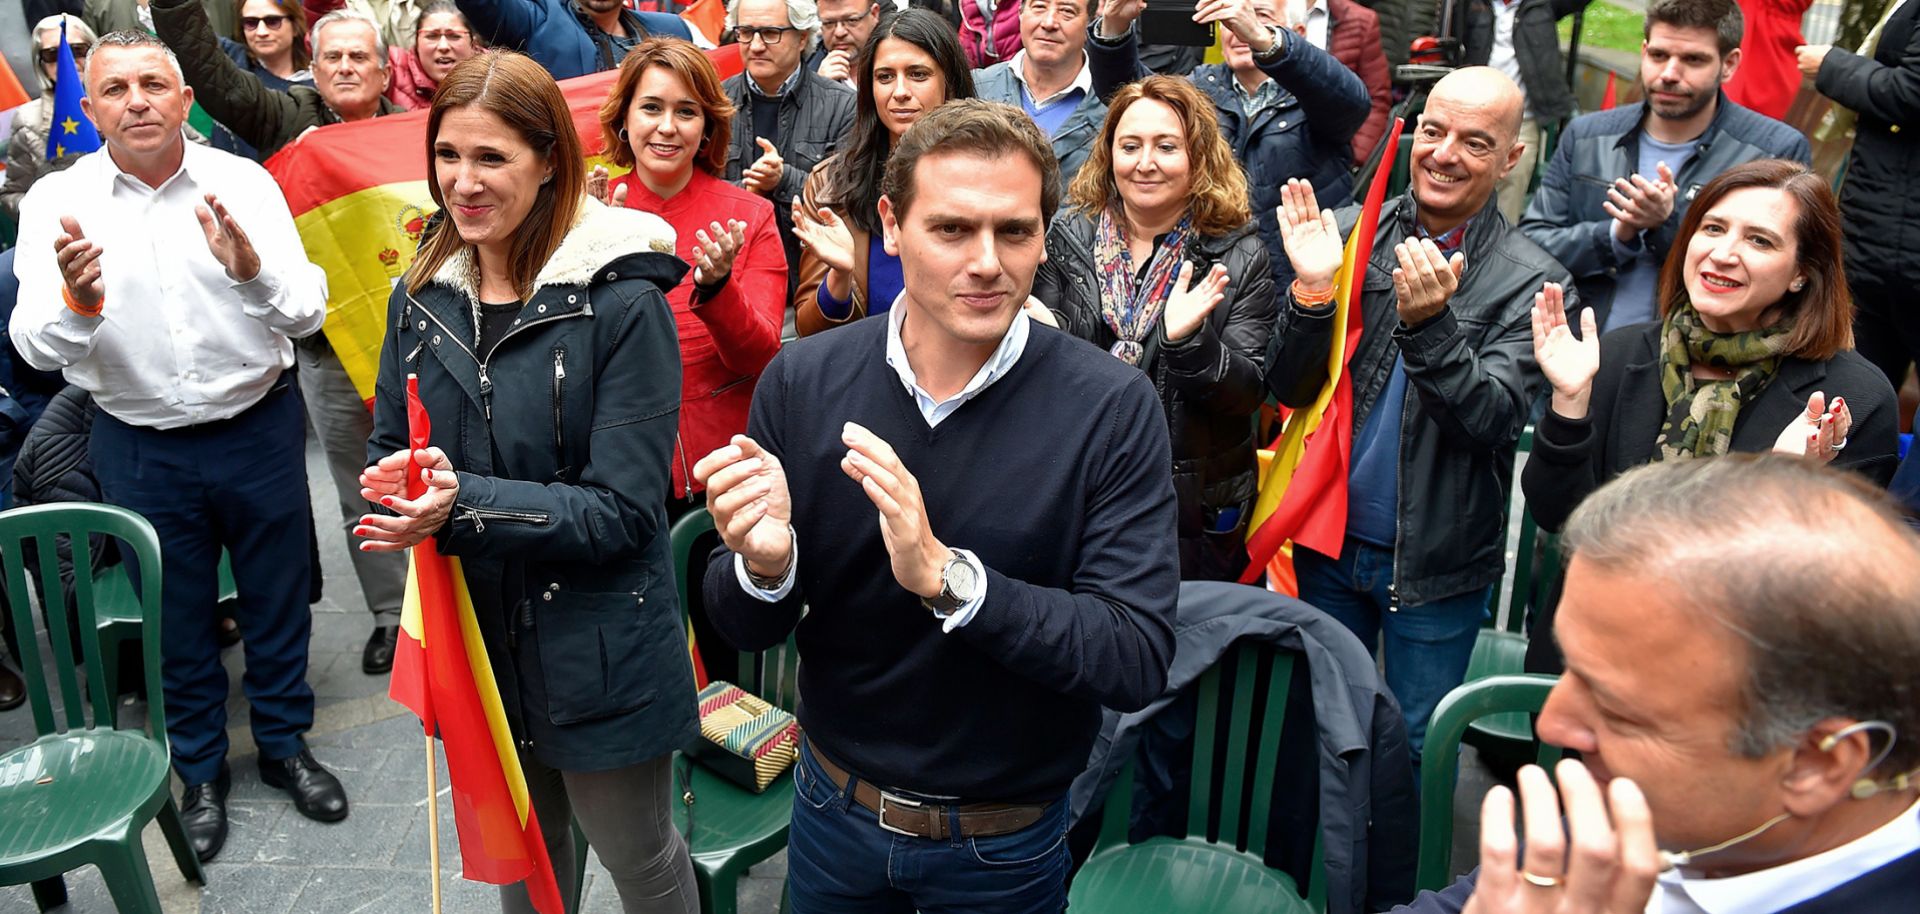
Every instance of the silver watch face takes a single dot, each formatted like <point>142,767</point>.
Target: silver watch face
<point>961,581</point>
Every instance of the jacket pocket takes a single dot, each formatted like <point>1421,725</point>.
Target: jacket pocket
<point>595,654</point>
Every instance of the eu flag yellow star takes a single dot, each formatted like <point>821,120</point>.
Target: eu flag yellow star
<point>69,126</point>
<point>59,150</point>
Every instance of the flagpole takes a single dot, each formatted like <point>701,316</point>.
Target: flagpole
<point>433,823</point>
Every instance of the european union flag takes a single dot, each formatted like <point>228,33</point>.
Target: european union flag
<point>70,133</point>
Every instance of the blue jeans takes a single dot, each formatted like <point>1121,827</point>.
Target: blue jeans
<point>1426,646</point>
<point>840,861</point>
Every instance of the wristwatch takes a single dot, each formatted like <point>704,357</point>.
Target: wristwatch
<point>959,584</point>
<point>1278,47</point>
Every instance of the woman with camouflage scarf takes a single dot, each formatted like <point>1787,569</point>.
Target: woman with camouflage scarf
<point>1753,352</point>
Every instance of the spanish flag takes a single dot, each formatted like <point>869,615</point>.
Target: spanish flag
<point>1303,491</point>
<point>441,673</point>
<point>359,197</point>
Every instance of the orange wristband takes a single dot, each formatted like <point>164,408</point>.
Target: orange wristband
<point>1311,299</point>
<point>80,309</point>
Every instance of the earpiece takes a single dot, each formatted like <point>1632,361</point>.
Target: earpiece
<point>1866,788</point>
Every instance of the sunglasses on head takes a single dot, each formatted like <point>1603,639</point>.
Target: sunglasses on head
<point>273,23</point>
<point>51,56</point>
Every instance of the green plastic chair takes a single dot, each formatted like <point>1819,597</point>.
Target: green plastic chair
<point>82,794</point>
<point>1501,648</point>
<point>1215,868</point>
<point>729,828</point>
<point>118,615</point>
<point>1440,763</point>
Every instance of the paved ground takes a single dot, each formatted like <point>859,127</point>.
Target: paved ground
<point>376,862</point>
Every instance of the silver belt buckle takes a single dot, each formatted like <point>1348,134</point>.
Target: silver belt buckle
<point>881,815</point>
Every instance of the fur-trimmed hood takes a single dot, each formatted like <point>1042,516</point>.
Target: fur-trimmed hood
<point>602,235</point>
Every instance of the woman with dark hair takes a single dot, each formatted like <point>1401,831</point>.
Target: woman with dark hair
<point>1753,351</point>
<point>911,65</point>
<point>1160,263</point>
<point>537,324</point>
<point>273,43</point>
<point>441,38</point>
<point>668,119</point>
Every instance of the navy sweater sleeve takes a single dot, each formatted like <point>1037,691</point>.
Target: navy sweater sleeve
<point>1108,638</point>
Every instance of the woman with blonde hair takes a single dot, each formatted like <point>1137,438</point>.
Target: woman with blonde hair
<point>537,324</point>
<point>1160,263</point>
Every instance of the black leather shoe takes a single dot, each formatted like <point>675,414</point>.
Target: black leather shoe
<point>13,689</point>
<point>203,809</point>
<point>377,658</point>
<point>315,791</point>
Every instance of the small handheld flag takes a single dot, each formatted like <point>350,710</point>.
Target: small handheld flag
<point>71,133</point>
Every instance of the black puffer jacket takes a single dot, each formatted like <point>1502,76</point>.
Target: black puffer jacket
<point>1209,384</point>
<point>1536,47</point>
<point>1471,382</point>
<point>266,119</point>
<point>1881,199</point>
<point>562,440</point>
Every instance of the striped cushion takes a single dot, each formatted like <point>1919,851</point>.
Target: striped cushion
<point>744,727</point>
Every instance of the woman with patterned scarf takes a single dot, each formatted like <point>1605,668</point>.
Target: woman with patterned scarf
<point>1159,263</point>
<point>1753,352</point>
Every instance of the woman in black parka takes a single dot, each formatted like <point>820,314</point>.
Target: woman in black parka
<point>547,360</point>
<point>1159,262</point>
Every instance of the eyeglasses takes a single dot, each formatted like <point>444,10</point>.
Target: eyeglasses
<point>51,56</point>
<point>770,35</point>
<point>844,22</point>
<point>450,36</point>
<point>273,23</point>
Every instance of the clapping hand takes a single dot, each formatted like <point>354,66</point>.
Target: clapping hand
<point>1569,362</point>
<point>79,261</point>
<point>1819,432</point>
<point>752,509</point>
<point>227,241</point>
<point>763,176</point>
<point>385,484</point>
<point>1191,301</point>
<point>825,235</point>
<point>714,249</point>
<point>1425,279</point>
<point>1612,863</point>
<point>597,188</point>
<point>1310,235</point>
<point>919,561</point>
<point>1637,204</point>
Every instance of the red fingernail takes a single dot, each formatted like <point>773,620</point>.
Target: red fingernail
<point>386,500</point>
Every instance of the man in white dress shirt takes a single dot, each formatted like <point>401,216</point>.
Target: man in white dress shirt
<point>166,278</point>
<point>1742,638</point>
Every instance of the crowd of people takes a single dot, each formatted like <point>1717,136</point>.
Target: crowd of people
<point>985,304</point>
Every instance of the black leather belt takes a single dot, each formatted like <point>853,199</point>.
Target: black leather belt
<point>920,819</point>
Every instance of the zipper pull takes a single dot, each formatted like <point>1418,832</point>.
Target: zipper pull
<point>486,392</point>
<point>479,525</point>
<point>559,365</point>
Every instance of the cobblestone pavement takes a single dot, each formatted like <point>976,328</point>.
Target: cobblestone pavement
<point>376,862</point>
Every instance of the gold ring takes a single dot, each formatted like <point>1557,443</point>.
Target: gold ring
<point>1545,882</point>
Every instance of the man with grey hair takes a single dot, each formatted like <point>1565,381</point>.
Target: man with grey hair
<point>166,278</point>
<point>787,118</point>
<point>1743,643</point>
<point>350,78</point>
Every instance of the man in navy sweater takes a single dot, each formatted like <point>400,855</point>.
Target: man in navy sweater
<point>977,514</point>
<point>1743,644</point>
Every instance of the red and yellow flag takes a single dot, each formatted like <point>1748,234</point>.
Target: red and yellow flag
<point>441,673</point>
<point>359,197</point>
<point>1303,492</point>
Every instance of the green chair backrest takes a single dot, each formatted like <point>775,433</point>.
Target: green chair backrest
<point>1235,810</point>
<point>1440,763</point>
<point>41,525</point>
<point>772,675</point>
